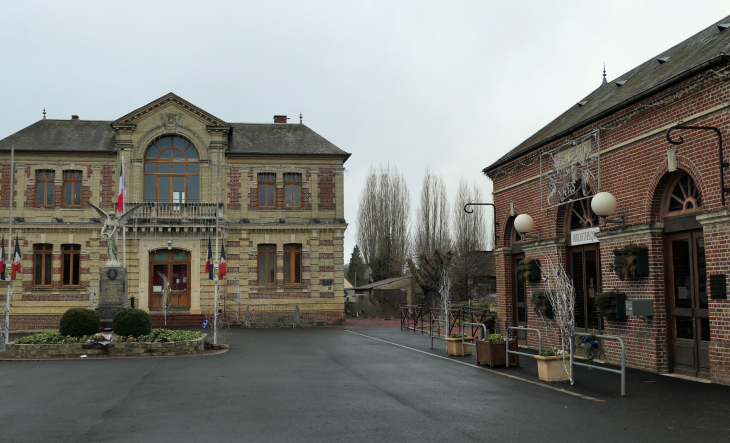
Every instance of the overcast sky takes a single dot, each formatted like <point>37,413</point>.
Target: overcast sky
<point>450,84</point>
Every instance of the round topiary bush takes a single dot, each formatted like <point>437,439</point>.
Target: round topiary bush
<point>78,322</point>
<point>134,322</point>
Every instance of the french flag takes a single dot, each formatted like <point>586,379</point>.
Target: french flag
<point>222,267</point>
<point>2,259</point>
<point>122,189</point>
<point>208,264</point>
<point>16,260</point>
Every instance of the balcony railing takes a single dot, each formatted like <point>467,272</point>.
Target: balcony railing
<point>177,211</point>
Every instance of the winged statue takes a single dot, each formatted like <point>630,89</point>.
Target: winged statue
<point>112,224</point>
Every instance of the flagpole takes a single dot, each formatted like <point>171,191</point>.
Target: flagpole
<point>10,239</point>
<point>124,230</point>
<point>217,261</point>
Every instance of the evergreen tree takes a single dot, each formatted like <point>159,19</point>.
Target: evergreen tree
<point>356,268</point>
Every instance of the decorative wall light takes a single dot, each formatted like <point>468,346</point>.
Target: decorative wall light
<point>604,205</point>
<point>524,224</point>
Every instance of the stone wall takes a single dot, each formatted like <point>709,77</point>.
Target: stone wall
<point>115,349</point>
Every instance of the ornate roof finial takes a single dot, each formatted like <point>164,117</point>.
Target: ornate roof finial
<point>44,113</point>
<point>300,118</point>
<point>604,74</point>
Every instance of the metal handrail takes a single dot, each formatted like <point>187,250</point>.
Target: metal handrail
<point>484,334</point>
<point>601,368</point>
<point>520,328</point>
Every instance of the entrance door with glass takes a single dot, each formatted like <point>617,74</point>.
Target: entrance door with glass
<point>687,293</point>
<point>520,298</point>
<point>173,267</point>
<point>585,272</point>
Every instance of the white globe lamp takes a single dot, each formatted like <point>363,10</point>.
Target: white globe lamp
<point>604,205</point>
<point>523,224</point>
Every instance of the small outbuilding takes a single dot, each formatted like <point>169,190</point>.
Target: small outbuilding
<point>381,298</point>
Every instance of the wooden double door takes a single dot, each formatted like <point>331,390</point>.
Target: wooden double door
<point>689,322</point>
<point>169,268</point>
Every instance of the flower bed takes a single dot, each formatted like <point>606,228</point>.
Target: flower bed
<point>158,342</point>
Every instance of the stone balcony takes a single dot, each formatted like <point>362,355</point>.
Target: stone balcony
<point>175,212</point>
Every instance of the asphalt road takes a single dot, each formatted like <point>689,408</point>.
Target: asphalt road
<point>333,384</point>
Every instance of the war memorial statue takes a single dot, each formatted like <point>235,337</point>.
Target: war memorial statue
<point>113,276</point>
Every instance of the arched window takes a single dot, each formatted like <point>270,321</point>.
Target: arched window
<point>171,171</point>
<point>581,213</point>
<point>683,196</point>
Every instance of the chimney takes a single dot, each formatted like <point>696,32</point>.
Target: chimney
<point>280,118</point>
<point>74,117</point>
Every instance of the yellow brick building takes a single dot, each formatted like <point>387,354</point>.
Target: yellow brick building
<point>281,213</point>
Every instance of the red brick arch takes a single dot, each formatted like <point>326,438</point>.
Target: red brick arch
<point>658,186</point>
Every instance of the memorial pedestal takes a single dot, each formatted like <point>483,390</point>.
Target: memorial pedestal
<point>112,293</point>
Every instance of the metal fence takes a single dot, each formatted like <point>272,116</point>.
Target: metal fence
<point>272,315</point>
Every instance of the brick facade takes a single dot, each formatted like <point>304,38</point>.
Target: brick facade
<point>243,227</point>
<point>634,167</point>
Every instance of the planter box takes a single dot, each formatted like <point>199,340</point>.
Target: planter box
<point>551,368</point>
<point>494,353</point>
<point>492,309</point>
<point>453,346</point>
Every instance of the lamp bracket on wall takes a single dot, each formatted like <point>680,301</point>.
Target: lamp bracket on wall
<point>525,236</point>
<point>723,164</point>
<point>494,215</point>
<point>615,220</point>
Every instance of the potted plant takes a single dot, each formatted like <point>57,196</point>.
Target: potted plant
<point>609,305</point>
<point>529,270</point>
<point>493,351</point>
<point>550,365</point>
<point>541,303</point>
<point>631,261</point>
<point>453,344</point>
<point>591,347</point>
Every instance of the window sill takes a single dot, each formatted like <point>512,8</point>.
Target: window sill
<point>57,289</point>
<point>276,287</point>
<point>72,209</point>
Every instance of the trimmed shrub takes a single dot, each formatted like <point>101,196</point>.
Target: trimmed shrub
<point>134,322</point>
<point>78,322</point>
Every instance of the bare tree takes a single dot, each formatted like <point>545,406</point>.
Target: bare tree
<point>432,221</point>
<point>469,241</point>
<point>432,237</point>
<point>383,223</point>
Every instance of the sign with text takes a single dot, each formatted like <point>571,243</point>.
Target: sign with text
<point>583,236</point>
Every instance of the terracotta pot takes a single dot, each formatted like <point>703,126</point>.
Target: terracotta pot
<point>453,346</point>
<point>494,353</point>
<point>492,309</point>
<point>551,368</point>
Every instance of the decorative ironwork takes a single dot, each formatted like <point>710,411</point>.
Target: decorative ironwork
<point>568,175</point>
<point>494,217</point>
<point>723,164</point>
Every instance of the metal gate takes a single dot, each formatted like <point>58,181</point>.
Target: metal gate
<point>272,315</point>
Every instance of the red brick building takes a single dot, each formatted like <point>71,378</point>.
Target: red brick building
<point>669,195</point>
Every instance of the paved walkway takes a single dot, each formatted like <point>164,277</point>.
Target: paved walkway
<point>340,384</point>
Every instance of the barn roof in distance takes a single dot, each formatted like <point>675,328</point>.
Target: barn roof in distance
<point>381,283</point>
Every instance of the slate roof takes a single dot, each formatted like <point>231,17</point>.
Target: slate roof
<point>279,138</point>
<point>98,136</point>
<point>62,135</point>
<point>690,57</point>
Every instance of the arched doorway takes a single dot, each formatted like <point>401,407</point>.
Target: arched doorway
<point>687,294</point>
<point>583,259</point>
<point>173,266</point>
